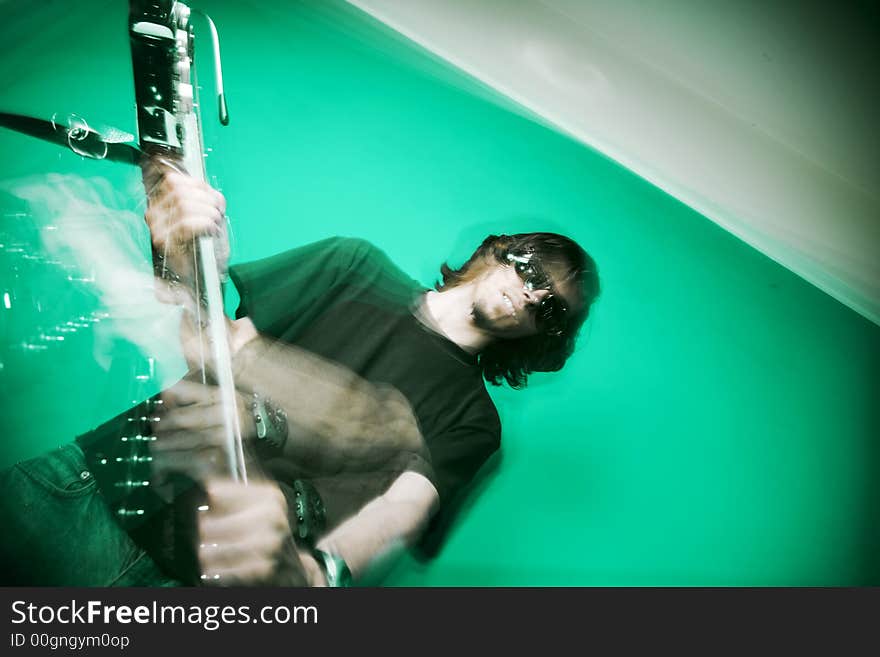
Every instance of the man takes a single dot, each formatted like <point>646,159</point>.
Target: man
<point>373,388</point>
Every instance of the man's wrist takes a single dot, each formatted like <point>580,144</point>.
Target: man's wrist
<point>336,572</point>
<point>313,570</point>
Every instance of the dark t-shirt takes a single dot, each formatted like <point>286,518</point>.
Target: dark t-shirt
<point>344,300</point>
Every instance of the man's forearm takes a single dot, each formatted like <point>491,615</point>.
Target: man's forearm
<point>384,527</point>
<point>337,421</point>
<point>340,423</point>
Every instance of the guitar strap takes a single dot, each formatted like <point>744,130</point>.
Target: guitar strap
<point>77,135</point>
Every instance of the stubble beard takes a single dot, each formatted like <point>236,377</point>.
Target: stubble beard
<point>480,319</point>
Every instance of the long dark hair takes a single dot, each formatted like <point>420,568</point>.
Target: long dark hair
<point>512,360</point>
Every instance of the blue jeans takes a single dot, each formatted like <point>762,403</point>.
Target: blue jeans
<point>57,530</point>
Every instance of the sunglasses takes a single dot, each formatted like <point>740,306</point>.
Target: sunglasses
<point>550,314</point>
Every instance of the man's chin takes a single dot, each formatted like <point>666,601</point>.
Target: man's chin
<point>497,327</point>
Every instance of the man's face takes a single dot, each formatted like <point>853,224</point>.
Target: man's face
<point>506,308</point>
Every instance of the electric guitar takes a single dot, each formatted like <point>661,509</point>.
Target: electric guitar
<point>169,133</point>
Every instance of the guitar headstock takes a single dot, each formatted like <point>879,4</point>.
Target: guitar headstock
<point>162,50</point>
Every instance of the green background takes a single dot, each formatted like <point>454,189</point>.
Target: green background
<point>718,424</point>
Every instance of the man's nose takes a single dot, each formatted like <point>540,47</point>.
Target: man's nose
<point>534,297</point>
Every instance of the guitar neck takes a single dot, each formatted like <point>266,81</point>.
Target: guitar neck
<point>169,127</point>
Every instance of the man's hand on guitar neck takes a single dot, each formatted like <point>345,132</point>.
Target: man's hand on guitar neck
<point>181,208</point>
